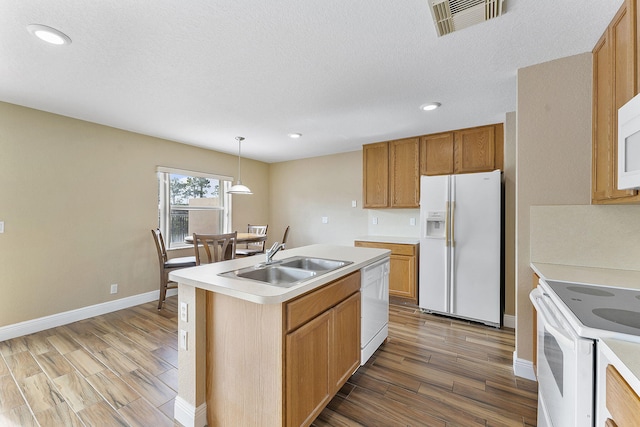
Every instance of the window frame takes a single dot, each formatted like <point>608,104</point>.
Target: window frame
<point>164,208</point>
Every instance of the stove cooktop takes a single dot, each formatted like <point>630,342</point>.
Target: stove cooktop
<point>600,307</point>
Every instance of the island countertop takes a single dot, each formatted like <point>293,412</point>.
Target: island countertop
<point>206,276</point>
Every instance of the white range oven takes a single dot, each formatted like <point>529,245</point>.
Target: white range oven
<point>571,318</point>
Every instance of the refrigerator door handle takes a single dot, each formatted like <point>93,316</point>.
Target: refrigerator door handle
<point>453,224</point>
<point>446,226</point>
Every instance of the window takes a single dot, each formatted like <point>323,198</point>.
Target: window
<point>192,202</point>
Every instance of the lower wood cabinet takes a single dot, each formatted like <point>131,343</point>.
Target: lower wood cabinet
<point>279,365</point>
<point>320,358</point>
<point>622,402</point>
<point>307,380</point>
<point>403,273</point>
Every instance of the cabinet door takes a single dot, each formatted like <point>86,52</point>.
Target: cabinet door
<point>436,154</point>
<point>402,276</point>
<point>375,164</point>
<point>474,149</point>
<point>624,84</point>
<point>307,378</point>
<point>404,157</point>
<point>345,347</point>
<point>601,121</point>
<point>622,402</point>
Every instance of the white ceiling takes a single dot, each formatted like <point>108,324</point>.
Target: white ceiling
<point>341,72</point>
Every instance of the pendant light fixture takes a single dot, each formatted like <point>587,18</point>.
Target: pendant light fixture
<point>238,188</point>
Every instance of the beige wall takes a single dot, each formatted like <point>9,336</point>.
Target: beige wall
<point>586,236</point>
<point>553,159</point>
<point>79,200</point>
<point>303,191</point>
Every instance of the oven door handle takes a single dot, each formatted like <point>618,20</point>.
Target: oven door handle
<point>550,322</point>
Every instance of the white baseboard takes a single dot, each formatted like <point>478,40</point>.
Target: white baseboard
<point>523,368</point>
<point>189,416</point>
<point>509,321</point>
<point>40,324</point>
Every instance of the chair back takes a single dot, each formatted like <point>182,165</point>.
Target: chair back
<point>284,237</point>
<point>159,241</point>
<point>217,247</point>
<point>257,229</point>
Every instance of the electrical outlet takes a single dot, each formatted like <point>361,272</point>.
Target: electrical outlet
<point>354,203</point>
<point>325,219</point>
<point>114,288</point>
<point>1,226</point>
<point>183,339</point>
<point>183,311</point>
<point>375,220</point>
<point>412,221</point>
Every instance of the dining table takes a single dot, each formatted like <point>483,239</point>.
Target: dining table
<point>240,238</point>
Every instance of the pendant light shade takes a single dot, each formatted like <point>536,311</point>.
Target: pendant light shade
<point>238,188</point>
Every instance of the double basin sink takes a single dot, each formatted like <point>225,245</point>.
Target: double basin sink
<point>287,272</point>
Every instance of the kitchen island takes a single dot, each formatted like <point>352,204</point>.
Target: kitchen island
<point>264,355</point>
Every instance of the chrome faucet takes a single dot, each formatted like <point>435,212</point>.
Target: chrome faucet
<point>272,251</point>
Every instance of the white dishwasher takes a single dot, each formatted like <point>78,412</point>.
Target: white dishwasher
<point>374,307</point>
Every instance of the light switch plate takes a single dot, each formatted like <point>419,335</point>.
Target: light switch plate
<point>1,226</point>
<point>354,203</point>
<point>325,219</point>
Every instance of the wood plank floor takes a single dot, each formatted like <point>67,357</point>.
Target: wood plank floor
<point>436,371</point>
<point>120,369</point>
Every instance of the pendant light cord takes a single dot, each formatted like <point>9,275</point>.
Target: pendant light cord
<point>240,139</point>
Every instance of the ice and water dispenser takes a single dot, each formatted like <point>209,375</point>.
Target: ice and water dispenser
<point>436,222</point>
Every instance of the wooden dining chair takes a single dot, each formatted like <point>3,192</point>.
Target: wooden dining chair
<point>217,247</point>
<point>253,248</point>
<point>168,264</point>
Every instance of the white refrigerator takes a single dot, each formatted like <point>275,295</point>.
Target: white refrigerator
<point>460,246</point>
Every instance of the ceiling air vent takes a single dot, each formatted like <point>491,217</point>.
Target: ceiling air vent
<point>454,15</point>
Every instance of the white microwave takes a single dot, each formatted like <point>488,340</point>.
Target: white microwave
<point>629,145</point>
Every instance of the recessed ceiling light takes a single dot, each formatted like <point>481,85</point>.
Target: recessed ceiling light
<point>295,135</point>
<point>430,106</point>
<point>48,34</point>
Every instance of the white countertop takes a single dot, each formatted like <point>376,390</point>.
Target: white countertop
<point>588,275</point>
<point>390,239</point>
<point>206,276</point>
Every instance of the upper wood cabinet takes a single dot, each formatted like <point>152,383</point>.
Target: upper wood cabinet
<point>479,149</point>
<point>614,83</point>
<point>391,170</point>
<point>474,149</point>
<point>404,171</point>
<point>375,177</point>
<point>391,176</point>
<point>436,154</point>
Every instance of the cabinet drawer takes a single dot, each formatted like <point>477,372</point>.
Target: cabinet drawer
<point>622,402</point>
<point>308,306</point>
<point>395,248</point>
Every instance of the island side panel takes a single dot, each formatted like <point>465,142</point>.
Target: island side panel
<point>244,362</point>
<point>190,402</point>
